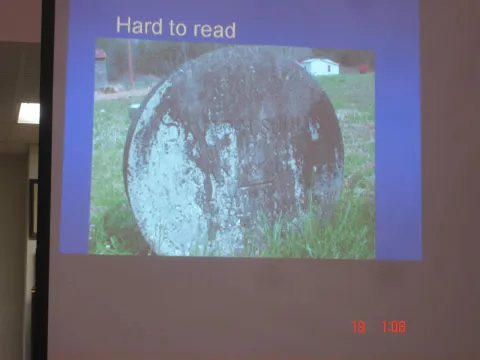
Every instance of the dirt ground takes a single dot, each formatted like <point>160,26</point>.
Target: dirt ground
<point>126,94</point>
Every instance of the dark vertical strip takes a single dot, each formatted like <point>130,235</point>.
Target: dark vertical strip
<point>40,327</point>
<point>31,209</point>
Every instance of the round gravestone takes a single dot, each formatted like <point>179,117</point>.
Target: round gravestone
<point>231,141</point>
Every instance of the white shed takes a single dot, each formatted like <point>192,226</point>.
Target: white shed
<point>319,67</point>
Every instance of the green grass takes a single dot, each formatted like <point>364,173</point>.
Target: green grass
<point>349,234</point>
<point>113,230</point>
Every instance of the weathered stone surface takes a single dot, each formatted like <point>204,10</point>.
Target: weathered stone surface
<point>231,139</point>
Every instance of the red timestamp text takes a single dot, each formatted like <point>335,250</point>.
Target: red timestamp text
<point>359,326</point>
<point>388,326</point>
<point>394,326</point>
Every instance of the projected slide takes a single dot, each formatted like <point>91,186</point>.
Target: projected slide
<point>238,138</point>
<point>224,150</point>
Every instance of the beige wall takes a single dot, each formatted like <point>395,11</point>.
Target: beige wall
<point>20,21</point>
<point>30,258</point>
<point>13,230</point>
<point>33,162</point>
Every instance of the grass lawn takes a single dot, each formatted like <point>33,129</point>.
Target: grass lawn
<point>349,234</point>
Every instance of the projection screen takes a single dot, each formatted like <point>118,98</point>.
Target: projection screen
<point>242,179</point>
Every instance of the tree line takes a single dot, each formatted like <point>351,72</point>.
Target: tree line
<point>162,57</point>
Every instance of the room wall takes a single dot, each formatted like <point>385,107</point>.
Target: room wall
<point>13,225</point>
<point>20,21</point>
<point>30,258</point>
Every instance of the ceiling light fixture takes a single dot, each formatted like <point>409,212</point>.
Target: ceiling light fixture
<point>29,113</point>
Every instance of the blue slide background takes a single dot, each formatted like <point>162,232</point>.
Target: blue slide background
<point>388,27</point>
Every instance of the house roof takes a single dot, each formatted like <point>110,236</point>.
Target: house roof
<point>100,54</point>
<point>319,59</point>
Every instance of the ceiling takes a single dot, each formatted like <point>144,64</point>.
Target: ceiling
<point>19,82</point>
<point>19,71</point>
